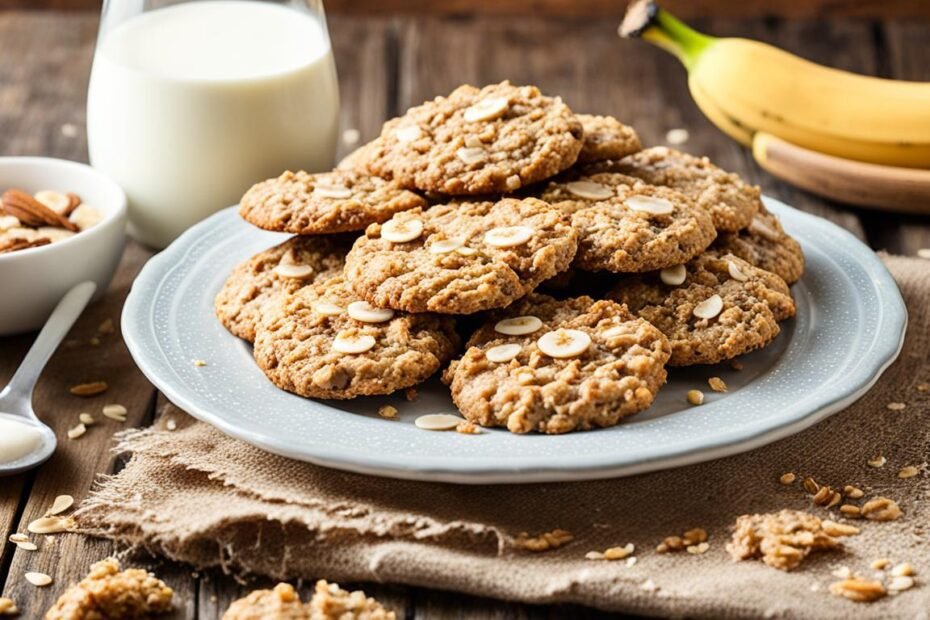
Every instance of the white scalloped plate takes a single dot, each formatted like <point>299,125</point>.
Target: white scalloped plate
<point>849,328</point>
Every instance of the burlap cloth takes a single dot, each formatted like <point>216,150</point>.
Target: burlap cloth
<point>195,495</point>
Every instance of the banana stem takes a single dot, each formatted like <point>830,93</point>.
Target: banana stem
<point>646,19</point>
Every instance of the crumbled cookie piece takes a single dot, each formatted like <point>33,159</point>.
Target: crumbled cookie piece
<point>324,342</point>
<point>765,244</point>
<point>606,138</point>
<point>107,592</point>
<point>280,603</point>
<point>461,258</point>
<point>479,141</point>
<point>783,539</point>
<point>858,589</point>
<point>625,225</point>
<point>555,366</point>
<point>324,203</point>
<point>724,307</point>
<point>881,509</point>
<point>280,270</point>
<point>546,541</point>
<point>330,602</point>
<point>730,200</point>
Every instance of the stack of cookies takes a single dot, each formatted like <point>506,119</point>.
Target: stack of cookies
<point>444,230</point>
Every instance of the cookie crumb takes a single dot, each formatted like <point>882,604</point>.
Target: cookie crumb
<point>8,607</point>
<point>850,511</point>
<point>923,387</point>
<point>859,590</point>
<point>199,363</point>
<point>900,584</point>
<point>896,406</point>
<point>877,461</point>
<point>880,564</point>
<point>410,394</point>
<point>881,509</point>
<point>903,569</point>
<point>908,472</point>
<point>77,432</point>
<point>695,397</point>
<point>853,492</point>
<point>698,549</point>
<point>543,542</point>
<point>467,428</point>
<point>787,478</point>
<point>387,412</point>
<point>717,384</point>
<point>736,365</point>
<point>619,553</point>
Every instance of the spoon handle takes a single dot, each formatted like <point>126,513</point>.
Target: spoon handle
<point>16,397</point>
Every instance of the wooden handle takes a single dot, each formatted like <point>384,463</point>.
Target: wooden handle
<point>859,183</point>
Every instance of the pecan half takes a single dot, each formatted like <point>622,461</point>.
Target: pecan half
<point>33,213</point>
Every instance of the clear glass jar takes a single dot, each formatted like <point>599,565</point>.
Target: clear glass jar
<point>192,102</point>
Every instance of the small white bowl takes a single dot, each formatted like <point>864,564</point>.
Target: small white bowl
<point>33,281</point>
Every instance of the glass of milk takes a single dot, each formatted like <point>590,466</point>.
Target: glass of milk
<point>191,102</point>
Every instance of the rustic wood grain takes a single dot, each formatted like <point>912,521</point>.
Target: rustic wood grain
<point>796,9</point>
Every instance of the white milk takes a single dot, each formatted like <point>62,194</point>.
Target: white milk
<point>17,440</point>
<point>191,104</point>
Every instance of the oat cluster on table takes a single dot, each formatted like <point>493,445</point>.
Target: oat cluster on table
<point>546,263</point>
<point>329,602</point>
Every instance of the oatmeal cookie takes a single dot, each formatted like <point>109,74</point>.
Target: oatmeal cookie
<point>329,602</point>
<point>606,138</point>
<point>331,202</point>
<point>107,592</point>
<point>280,603</point>
<point>625,225</point>
<point>358,159</point>
<point>558,366</point>
<point>461,257</point>
<point>479,141</point>
<point>324,342</point>
<point>282,269</point>
<point>721,307</point>
<point>729,199</point>
<point>765,244</point>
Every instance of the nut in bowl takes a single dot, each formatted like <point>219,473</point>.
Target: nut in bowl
<point>69,227</point>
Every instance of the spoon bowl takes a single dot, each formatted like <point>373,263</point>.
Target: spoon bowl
<point>46,445</point>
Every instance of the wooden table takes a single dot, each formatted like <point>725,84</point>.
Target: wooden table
<point>385,65</point>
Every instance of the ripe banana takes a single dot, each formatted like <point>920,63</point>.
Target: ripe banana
<point>746,86</point>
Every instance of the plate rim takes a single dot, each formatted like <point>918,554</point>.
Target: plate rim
<point>867,372</point>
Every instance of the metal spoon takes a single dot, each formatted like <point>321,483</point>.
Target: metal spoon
<point>16,397</point>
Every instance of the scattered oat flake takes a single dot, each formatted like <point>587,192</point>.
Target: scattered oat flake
<point>38,579</point>
<point>630,561</point>
<point>543,542</point>
<point>86,419</point>
<point>199,363</point>
<point>904,569</point>
<point>8,607</point>
<point>171,425</point>
<point>810,485</point>
<point>18,538</point>
<point>896,406</point>
<point>649,585</point>
<point>106,327</point>
<point>619,553</point>
<point>677,136</point>
<point>51,525</point>
<point>698,549</point>
<point>923,387</point>
<point>27,546</point>
<point>899,584</point>
<point>115,412</point>
<point>94,342</point>
<point>89,389</point>
<point>923,252</point>
<point>881,509</point>
<point>877,461</point>
<point>853,492</point>
<point>841,572</point>
<point>787,478</point>
<point>387,412</point>
<point>717,384</point>
<point>61,504</point>
<point>736,365</point>
<point>594,555</point>
<point>908,472</point>
<point>850,511</point>
<point>694,535</point>
<point>77,432</point>
<point>859,590</point>
<point>880,564</point>
<point>695,397</point>
<point>410,394</point>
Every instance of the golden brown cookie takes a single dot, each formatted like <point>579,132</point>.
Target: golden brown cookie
<point>606,138</point>
<point>712,309</point>
<point>765,244</point>
<point>323,341</point>
<point>479,141</point>
<point>286,267</point>
<point>331,202</point>
<point>461,257</point>
<point>557,366</point>
<point>358,159</point>
<point>625,225</point>
<point>730,200</point>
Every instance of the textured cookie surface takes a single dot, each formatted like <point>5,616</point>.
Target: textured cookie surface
<point>729,199</point>
<point>751,302</point>
<point>479,141</point>
<point>331,202</point>
<point>358,159</point>
<point>467,257</point>
<point>302,260</point>
<point>606,138</point>
<point>617,374</point>
<point>309,344</point>
<point>765,244</point>
<point>625,225</point>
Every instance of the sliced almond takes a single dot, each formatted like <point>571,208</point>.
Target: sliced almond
<point>8,222</point>
<point>89,389</point>
<point>115,411</point>
<point>366,313</point>
<point>908,472</point>
<point>674,276</point>
<point>589,190</point>
<point>8,607</point>
<point>50,525</point>
<point>18,538</point>
<point>471,155</point>
<point>487,109</point>
<point>401,231</point>
<point>899,584</point>
<point>38,579</point>
<point>85,216</point>
<point>77,431</point>
<point>61,504</point>
<point>735,272</point>
<point>564,343</point>
<point>903,569</point>
<point>503,353</point>
<point>27,546</point>
<point>518,325</point>
<point>709,308</point>
<point>294,272</point>
<point>408,134</point>
<point>508,236</point>
<point>336,191</point>
<point>444,246</point>
<point>353,344</point>
<point>650,204</point>
<point>326,308</point>
<point>438,422</point>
